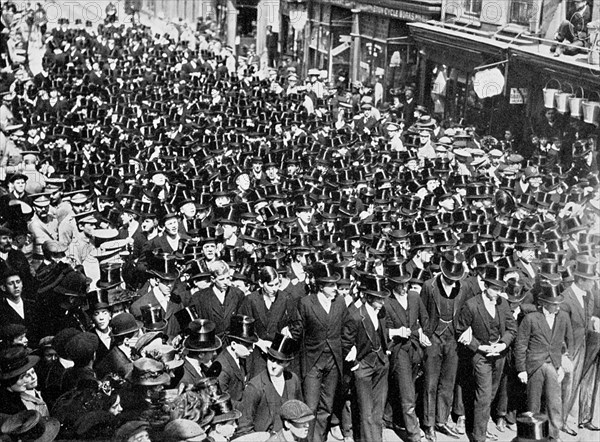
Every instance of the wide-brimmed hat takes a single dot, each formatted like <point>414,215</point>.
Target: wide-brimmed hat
<point>224,410</point>
<point>149,372</point>
<point>29,425</point>
<point>202,336</point>
<point>14,361</point>
<point>241,328</point>
<point>123,324</point>
<point>283,347</point>
<point>453,265</point>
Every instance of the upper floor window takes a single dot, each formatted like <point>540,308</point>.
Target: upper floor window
<point>472,7</point>
<point>521,12</point>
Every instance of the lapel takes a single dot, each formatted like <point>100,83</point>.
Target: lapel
<point>319,311</point>
<point>261,308</point>
<point>368,324</point>
<point>545,327</point>
<point>483,313</point>
<point>435,294</point>
<point>458,299</point>
<point>399,312</point>
<point>234,367</point>
<point>576,309</point>
<point>229,305</point>
<point>277,308</point>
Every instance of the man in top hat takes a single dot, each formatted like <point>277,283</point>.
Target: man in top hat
<point>220,301</point>
<point>406,318</point>
<point>443,297</point>
<point>162,291</point>
<point>582,307</point>
<point>525,252</point>
<point>539,355</point>
<point>99,312</point>
<point>200,349</point>
<point>266,393</point>
<point>242,338</point>
<point>493,329</point>
<point>318,326</point>
<point>365,343</point>
<point>43,226</point>
<point>169,241</point>
<point>124,331</point>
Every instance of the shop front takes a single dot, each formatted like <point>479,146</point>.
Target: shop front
<point>462,76</point>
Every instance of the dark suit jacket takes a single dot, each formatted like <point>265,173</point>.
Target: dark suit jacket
<point>114,362</point>
<point>261,403</point>
<point>208,307</point>
<point>474,314</point>
<point>169,316</point>
<point>430,294</point>
<point>316,329</point>
<point>8,315</point>
<point>536,343</point>
<point>268,322</point>
<point>232,378</point>
<point>190,375</point>
<point>414,318</point>
<point>580,317</point>
<point>359,330</point>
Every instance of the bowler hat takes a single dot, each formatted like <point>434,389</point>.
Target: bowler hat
<point>283,347</point>
<point>123,324</point>
<point>202,336</point>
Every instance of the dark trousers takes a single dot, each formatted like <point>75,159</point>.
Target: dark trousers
<point>544,382</point>
<point>404,374</point>
<point>572,381</point>
<point>370,387</point>
<point>487,372</point>
<point>320,385</point>
<point>511,398</point>
<point>440,373</point>
<point>342,413</point>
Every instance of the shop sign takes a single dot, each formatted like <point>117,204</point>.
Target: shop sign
<point>339,49</point>
<point>349,4</point>
<point>393,12</point>
<point>518,95</point>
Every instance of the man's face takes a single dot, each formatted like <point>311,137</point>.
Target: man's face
<point>275,367</point>
<point>222,282</point>
<point>526,255</point>
<point>271,288</point>
<point>5,243</point>
<point>172,226</point>
<point>166,286</point>
<point>242,350</point>
<point>257,167</point>
<point>305,216</point>
<point>408,94</point>
<point>448,204</point>
<point>88,228</point>
<point>148,225</point>
<point>78,208</point>
<point>19,185</point>
<point>299,429</point>
<point>375,302</point>
<point>189,210</point>
<point>243,181</point>
<point>159,179</point>
<point>101,318</point>
<point>552,308</point>
<point>13,287</point>
<point>229,230</point>
<point>424,138</point>
<point>426,255</point>
<point>222,201</point>
<point>42,211</point>
<point>50,355</point>
<point>492,292</point>
<point>206,357</point>
<point>209,250</point>
<point>126,218</point>
<point>272,172</point>
<point>329,289</point>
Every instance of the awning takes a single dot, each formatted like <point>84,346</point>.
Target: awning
<point>455,48</point>
<point>574,69</point>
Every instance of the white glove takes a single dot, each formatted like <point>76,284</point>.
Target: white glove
<point>466,337</point>
<point>351,356</point>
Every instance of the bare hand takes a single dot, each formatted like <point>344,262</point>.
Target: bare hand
<point>523,377</point>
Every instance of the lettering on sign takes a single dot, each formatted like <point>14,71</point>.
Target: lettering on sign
<point>518,95</point>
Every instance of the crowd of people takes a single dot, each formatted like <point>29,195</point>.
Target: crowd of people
<point>192,248</point>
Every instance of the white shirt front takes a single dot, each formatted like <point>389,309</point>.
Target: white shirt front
<point>18,306</point>
<point>579,294</point>
<point>490,305</point>
<point>549,317</point>
<point>161,298</point>
<point>373,315</point>
<point>325,301</point>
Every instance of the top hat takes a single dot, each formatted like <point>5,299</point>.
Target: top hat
<point>374,285</point>
<point>494,275</point>
<point>15,361</point>
<point>548,266</point>
<point>550,292</point>
<point>224,410</point>
<point>452,266</point>
<point>283,347</point>
<point>163,265</point>
<point>110,275</point>
<point>186,316</point>
<point>241,328</point>
<point>324,272</point>
<point>98,300</point>
<point>514,290</point>
<point>152,317</point>
<point>532,428</point>
<point>396,272</point>
<point>202,336</point>
<point>586,267</point>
